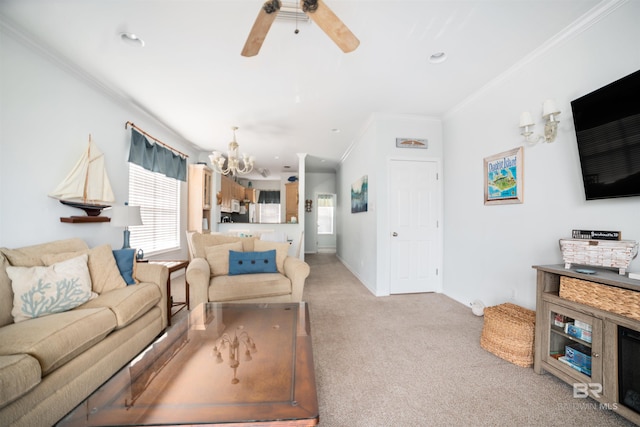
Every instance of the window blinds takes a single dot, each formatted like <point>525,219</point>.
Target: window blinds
<point>325,200</point>
<point>159,199</point>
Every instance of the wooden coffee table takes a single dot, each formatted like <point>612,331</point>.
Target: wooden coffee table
<point>181,380</point>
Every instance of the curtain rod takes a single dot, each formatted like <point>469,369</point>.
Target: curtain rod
<point>156,139</point>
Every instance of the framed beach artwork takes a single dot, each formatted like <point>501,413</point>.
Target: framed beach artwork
<point>360,195</point>
<point>504,178</point>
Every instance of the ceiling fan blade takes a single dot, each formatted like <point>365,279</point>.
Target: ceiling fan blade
<point>260,28</point>
<point>330,24</point>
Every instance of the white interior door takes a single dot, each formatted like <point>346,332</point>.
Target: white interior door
<point>414,236</point>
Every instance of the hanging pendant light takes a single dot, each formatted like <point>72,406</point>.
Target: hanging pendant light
<point>234,164</point>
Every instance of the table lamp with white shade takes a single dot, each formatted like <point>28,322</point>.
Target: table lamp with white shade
<point>126,216</point>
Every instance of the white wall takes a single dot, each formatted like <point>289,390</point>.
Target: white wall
<point>356,233</point>
<point>261,184</point>
<point>48,112</point>
<point>363,238</point>
<point>489,250</point>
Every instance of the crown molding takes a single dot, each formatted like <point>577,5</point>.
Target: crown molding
<point>42,49</point>
<point>590,18</point>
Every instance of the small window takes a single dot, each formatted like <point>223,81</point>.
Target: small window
<point>159,199</point>
<point>269,206</point>
<point>325,213</point>
<point>269,212</point>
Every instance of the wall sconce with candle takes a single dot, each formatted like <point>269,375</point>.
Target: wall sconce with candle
<point>550,114</point>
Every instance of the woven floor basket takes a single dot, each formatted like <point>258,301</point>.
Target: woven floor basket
<point>608,298</point>
<point>508,333</point>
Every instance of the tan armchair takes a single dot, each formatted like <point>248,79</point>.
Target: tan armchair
<point>208,278</point>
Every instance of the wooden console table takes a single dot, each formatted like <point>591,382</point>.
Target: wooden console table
<point>602,381</point>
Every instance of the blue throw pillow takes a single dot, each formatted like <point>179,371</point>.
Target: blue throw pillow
<point>125,259</point>
<point>252,262</point>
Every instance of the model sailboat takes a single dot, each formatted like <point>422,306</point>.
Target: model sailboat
<point>87,186</point>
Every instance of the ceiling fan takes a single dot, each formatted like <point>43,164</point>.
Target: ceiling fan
<point>317,10</point>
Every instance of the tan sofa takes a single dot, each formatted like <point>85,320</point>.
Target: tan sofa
<point>208,278</point>
<point>50,364</point>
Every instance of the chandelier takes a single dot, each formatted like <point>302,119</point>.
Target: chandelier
<point>234,350</point>
<point>232,160</point>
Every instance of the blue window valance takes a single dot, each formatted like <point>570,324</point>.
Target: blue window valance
<point>269,196</point>
<point>156,158</point>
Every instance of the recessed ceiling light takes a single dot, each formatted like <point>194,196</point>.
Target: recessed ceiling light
<point>132,39</point>
<point>438,57</point>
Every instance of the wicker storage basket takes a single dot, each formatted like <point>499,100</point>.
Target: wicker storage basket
<point>508,333</point>
<point>600,253</point>
<point>608,298</point>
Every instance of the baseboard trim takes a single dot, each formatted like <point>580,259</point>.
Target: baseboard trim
<point>327,250</point>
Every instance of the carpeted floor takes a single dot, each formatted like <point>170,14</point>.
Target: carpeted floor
<point>415,360</point>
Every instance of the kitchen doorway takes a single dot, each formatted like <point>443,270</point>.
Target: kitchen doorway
<point>414,223</point>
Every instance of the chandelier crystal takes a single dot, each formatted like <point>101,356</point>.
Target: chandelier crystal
<point>233,161</point>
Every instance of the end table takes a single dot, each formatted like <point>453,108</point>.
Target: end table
<point>174,265</point>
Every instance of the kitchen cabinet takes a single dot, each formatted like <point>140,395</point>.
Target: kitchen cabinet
<point>570,331</point>
<point>238,192</point>
<point>250,195</point>
<point>226,188</point>
<point>199,198</point>
<point>291,200</point>
<point>230,190</point>
<point>559,338</point>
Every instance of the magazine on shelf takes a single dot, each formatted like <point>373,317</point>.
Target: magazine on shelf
<point>576,332</point>
<point>585,371</point>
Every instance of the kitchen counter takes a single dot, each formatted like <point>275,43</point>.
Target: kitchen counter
<point>258,223</point>
<point>293,232</point>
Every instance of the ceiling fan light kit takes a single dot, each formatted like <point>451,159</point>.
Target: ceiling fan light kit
<point>309,5</point>
<point>317,10</point>
<point>290,12</point>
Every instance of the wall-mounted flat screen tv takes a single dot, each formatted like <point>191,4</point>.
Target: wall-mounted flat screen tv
<point>607,123</point>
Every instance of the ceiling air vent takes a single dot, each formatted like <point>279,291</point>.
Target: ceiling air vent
<point>290,12</point>
<point>264,172</point>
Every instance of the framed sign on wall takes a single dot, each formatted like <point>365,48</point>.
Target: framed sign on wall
<point>504,177</point>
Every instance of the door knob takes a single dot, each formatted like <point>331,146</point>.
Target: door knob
<point>394,234</point>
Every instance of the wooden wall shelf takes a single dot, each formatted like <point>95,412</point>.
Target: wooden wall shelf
<point>85,219</point>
